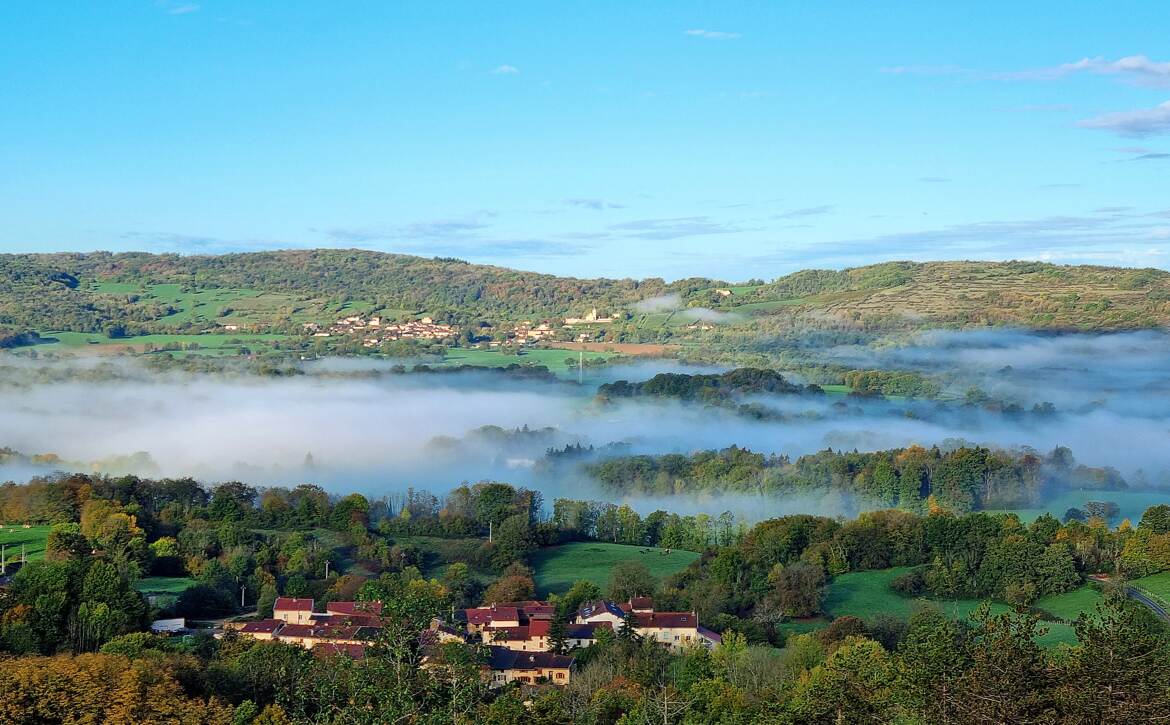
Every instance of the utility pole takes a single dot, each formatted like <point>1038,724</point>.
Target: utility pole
<point>489,532</point>
<point>326,568</point>
<point>22,554</point>
<point>581,366</point>
<point>242,597</point>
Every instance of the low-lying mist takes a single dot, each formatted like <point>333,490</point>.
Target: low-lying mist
<point>354,425</point>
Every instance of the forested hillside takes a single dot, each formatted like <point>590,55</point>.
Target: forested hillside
<point>91,292</point>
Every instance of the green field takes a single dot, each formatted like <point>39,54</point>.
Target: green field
<point>33,538</point>
<point>210,343</point>
<point>1132,504</point>
<point>558,567</point>
<point>1156,587</point>
<point>867,593</point>
<point>554,360</point>
<point>164,584</point>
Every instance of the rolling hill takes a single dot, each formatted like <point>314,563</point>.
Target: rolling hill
<point>278,291</point>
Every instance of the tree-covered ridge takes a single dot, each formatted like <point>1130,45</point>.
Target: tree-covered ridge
<point>960,479</point>
<point>909,294</point>
<point>384,281</point>
<point>81,292</point>
<point>715,387</point>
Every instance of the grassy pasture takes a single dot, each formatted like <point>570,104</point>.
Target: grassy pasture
<point>558,567</point>
<point>33,538</point>
<point>164,584</point>
<point>1156,586</point>
<point>867,593</point>
<point>98,344</point>
<point>1132,504</point>
<point>554,360</point>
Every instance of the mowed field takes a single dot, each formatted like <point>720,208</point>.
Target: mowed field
<point>33,538</point>
<point>558,567</point>
<point>1156,587</point>
<point>865,594</point>
<point>555,360</point>
<point>164,584</point>
<point>97,344</point>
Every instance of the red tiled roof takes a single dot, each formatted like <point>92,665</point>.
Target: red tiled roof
<point>505,614</point>
<point>292,604</point>
<point>360,608</point>
<point>262,626</point>
<point>510,634</point>
<point>297,630</point>
<point>673,620</point>
<point>539,627</point>
<point>641,603</point>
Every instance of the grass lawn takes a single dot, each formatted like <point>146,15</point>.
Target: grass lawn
<point>558,567</point>
<point>1068,606</point>
<point>33,538</point>
<point>209,344</point>
<point>554,360</point>
<point>164,584</point>
<point>1132,504</point>
<point>837,389</point>
<point>1156,586</point>
<point>867,593</point>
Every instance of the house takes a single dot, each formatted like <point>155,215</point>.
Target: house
<point>529,668</point>
<point>675,630</point>
<point>264,629</point>
<point>169,626</point>
<point>506,614</point>
<point>601,611</point>
<point>293,610</point>
<point>535,636</point>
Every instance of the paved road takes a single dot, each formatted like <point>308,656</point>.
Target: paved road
<point>1156,608</point>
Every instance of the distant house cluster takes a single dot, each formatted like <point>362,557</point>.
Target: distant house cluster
<point>590,319</point>
<point>374,331</point>
<point>343,628</point>
<point>526,333</point>
<point>519,634</point>
<point>516,635</point>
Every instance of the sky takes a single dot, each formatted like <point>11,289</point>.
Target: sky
<point>733,140</point>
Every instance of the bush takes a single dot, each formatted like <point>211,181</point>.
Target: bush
<point>910,584</point>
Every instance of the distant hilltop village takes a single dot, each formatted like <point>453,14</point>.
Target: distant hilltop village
<point>374,331</point>
<point>523,642</point>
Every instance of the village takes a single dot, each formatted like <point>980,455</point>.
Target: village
<point>374,331</point>
<point>521,638</point>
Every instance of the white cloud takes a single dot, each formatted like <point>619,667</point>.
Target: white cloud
<point>1140,123</point>
<point>1138,67</point>
<point>173,7</point>
<point>711,34</point>
<point>505,70</point>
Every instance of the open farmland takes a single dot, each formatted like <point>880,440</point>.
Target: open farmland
<point>558,567</point>
<point>554,360</point>
<point>865,594</point>
<point>33,539</point>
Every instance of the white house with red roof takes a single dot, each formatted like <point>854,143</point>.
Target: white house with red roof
<point>293,610</point>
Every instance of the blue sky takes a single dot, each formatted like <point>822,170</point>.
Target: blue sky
<point>668,139</point>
